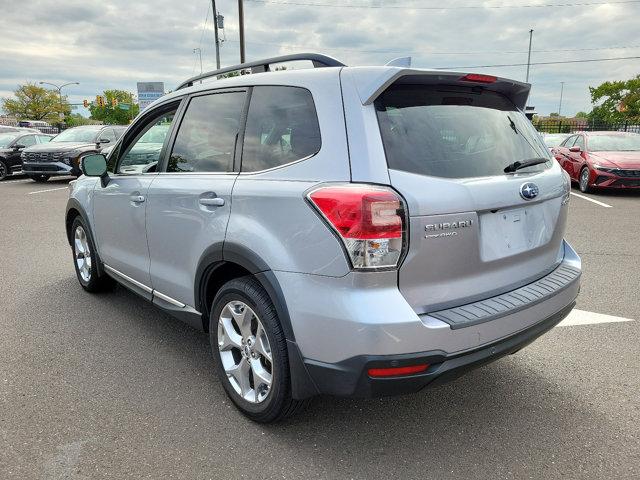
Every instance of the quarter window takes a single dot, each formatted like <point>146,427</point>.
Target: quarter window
<point>282,127</point>
<point>207,136</point>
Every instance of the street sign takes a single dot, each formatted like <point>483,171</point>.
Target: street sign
<point>148,92</point>
<point>124,106</point>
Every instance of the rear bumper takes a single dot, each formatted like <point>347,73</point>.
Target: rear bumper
<point>350,378</point>
<point>344,326</point>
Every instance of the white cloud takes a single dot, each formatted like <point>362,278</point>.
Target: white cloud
<point>115,43</point>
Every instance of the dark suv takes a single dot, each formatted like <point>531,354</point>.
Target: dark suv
<point>60,156</point>
<point>12,143</point>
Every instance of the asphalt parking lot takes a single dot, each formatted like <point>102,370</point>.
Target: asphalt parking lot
<point>108,386</point>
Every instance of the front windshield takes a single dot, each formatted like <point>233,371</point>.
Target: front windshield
<point>455,132</point>
<point>7,138</point>
<point>86,135</point>
<point>627,142</point>
<point>155,134</point>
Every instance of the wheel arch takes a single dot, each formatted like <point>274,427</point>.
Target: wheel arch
<point>222,262</point>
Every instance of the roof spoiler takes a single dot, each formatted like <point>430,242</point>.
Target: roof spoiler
<point>370,87</point>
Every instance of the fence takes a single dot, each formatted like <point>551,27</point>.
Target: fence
<point>570,126</point>
<point>51,129</point>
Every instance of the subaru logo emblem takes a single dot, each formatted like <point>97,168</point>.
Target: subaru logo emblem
<point>529,191</point>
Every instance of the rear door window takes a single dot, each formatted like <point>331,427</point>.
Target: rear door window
<point>455,132</point>
<point>282,127</point>
<point>206,138</point>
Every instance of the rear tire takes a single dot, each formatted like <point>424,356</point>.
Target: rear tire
<point>583,181</point>
<point>85,259</point>
<point>250,350</point>
<point>4,170</point>
<point>39,178</point>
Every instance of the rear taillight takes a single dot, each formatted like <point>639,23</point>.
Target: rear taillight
<point>397,371</point>
<point>368,219</point>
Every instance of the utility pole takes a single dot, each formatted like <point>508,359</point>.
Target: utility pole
<point>215,31</point>
<point>561,92</point>
<point>241,20</point>
<point>529,57</point>
<point>199,52</point>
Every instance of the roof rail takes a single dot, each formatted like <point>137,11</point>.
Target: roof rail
<point>260,66</point>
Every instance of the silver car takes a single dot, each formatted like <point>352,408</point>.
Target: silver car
<point>352,231</point>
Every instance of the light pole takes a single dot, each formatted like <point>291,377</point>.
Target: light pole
<point>241,21</point>
<point>529,56</point>
<point>199,52</point>
<point>215,31</point>
<point>560,104</point>
<point>59,88</point>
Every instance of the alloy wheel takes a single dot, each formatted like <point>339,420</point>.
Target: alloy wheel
<point>82,253</point>
<point>245,352</point>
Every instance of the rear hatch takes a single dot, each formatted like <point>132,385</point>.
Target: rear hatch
<point>475,231</point>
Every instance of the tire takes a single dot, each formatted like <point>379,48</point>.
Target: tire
<point>85,259</point>
<point>39,178</point>
<point>4,170</point>
<point>234,349</point>
<point>583,180</point>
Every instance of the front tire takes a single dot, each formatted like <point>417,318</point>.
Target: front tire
<point>251,351</point>
<point>39,178</point>
<point>583,181</point>
<point>4,170</point>
<point>85,259</point>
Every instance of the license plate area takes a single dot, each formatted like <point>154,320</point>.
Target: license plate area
<point>509,232</point>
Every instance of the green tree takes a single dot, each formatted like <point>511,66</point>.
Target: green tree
<point>32,102</point>
<point>115,115</point>
<point>582,115</point>
<point>615,102</point>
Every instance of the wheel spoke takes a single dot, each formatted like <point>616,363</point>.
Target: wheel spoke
<point>79,245</point>
<point>260,374</point>
<point>242,314</point>
<point>228,338</point>
<point>240,373</point>
<point>262,343</point>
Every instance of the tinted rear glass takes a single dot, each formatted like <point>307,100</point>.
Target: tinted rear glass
<point>455,132</point>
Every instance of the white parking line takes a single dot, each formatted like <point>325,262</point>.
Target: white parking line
<point>582,317</point>
<point>602,204</point>
<point>47,190</point>
<point>24,180</point>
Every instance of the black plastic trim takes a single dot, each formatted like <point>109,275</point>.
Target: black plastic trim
<point>349,378</point>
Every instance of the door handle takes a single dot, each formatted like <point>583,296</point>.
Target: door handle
<point>212,202</point>
<point>137,198</point>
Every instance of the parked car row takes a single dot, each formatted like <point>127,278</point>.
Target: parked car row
<point>41,156</point>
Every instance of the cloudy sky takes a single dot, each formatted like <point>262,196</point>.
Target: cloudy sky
<point>116,43</point>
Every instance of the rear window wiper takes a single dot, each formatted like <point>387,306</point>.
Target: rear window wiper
<point>512,167</point>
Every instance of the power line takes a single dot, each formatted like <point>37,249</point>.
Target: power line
<point>427,53</point>
<point>458,7</point>
<point>539,63</point>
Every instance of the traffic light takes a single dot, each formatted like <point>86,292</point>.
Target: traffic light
<point>114,102</point>
<point>100,100</point>
<point>85,103</point>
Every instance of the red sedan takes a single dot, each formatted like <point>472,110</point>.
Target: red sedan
<point>601,159</point>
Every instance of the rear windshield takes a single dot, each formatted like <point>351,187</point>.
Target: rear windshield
<point>455,132</point>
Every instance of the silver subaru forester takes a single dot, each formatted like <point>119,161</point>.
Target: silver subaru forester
<point>353,231</point>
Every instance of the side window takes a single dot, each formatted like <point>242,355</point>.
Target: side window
<point>119,131</point>
<point>580,142</point>
<point>108,134</point>
<point>27,140</point>
<point>44,138</point>
<point>207,135</point>
<point>282,127</point>
<point>142,153</point>
<point>568,143</point>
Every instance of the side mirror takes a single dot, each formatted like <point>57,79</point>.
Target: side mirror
<point>104,140</point>
<point>95,165</point>
<point>575,149</point>
<point>19,146</point>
